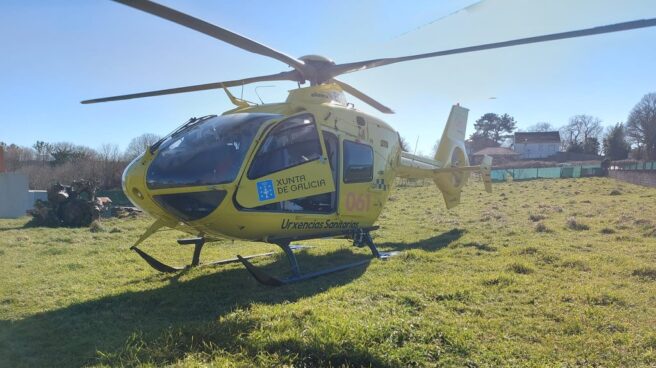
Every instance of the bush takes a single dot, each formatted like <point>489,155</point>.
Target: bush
<point>540,227</point>
<point>647,273</point>
<point>96,227</point>
<point>573,224</point>
<point>536,217</point>
<point>520,268</point>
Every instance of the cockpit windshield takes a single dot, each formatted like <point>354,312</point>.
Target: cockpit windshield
<point>210,152</point>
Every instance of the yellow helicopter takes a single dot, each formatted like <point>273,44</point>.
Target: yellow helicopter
<point>310,167</point>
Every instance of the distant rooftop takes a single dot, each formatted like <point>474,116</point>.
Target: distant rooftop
<point>496,151</point>
<point>537,137</point>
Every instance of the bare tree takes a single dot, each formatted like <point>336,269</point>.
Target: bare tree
<point>541,127</point>
<point>580,132</point>
<point>139,144</point>
<point>111,165</point>
<point>641,126</point>
<point>41,177</point>
<point>405,147</point>
<point>16,156</point>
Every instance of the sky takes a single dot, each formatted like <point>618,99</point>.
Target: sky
<point>56,53</point>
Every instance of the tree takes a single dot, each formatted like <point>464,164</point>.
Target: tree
<point>61,152</point>
<point>641,126</point>
<point>41,149</point>
<point>140,144</point>
<point>111,166</point>
<point>575,147</point>
<point>541,127</point>
<point>484,125</point>
<point>615,145</point>
<point>591,146</point>
<point>477,141</point>
<point>15,156</point>
<point>493,126</point>
<point>579,130</point>
<point>64,152</point>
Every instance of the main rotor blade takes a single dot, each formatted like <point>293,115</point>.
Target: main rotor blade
<point>212,31</point>
<point>374,63</point>
<point>290,75</point>
<point>361,96</point>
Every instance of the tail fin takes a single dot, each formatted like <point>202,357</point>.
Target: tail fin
<point>453,136</point>
<point>451,153</point>
<point>450,169</point>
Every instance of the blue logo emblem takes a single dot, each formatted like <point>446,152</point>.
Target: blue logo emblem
<point>265,190</point>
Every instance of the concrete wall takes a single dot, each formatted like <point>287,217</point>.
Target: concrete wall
<point>13,195</point>
<point>640,177</point>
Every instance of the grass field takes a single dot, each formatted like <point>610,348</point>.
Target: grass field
<point>539,273</point>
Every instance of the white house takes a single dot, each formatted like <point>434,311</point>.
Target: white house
<point>536,144</point>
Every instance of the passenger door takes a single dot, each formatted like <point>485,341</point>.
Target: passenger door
<point>356,196</point>
<point>290,163</point>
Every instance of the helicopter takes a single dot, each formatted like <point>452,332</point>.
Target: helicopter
<point>310,167</point>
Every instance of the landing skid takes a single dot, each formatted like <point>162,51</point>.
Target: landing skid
<point>195,261</point>
<point>360,238</point>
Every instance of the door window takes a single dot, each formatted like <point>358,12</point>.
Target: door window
<point>290,143</point>
<point>322,203</point>
<point>290,163</point>
<point>358,163</point>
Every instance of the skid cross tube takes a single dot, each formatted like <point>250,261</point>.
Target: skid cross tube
<point>360,237</point>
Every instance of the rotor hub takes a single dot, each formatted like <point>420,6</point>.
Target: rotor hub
<point>315,68</point>
<point>316,59</point>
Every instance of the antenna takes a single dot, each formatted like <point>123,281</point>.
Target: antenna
<point>258,95</point>
<point>414,155</point>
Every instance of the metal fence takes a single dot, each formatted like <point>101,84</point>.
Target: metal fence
<point>546,172</point>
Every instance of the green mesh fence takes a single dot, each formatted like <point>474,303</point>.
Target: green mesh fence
<point>549,172</point>
<point>546,172</point>
<point>647,165</point>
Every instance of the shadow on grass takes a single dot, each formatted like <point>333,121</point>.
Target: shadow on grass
<point>22,227</point>
<point>431,244</point>
<point>164,325</point>
<point>74,335</point>
<point>31,224</point>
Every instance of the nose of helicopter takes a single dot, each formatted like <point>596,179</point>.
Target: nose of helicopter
<point>173,207</point>
<point>132,182</point>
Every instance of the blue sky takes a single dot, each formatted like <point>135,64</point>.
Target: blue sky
<point>55,53</point>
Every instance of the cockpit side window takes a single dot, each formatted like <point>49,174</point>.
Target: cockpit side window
<point>292,142</point>
<point>210,152</point>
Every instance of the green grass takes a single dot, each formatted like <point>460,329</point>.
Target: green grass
<point>479,285</point>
